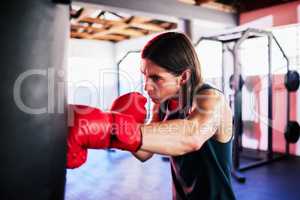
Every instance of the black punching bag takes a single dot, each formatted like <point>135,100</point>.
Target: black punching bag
<point>33,99</point>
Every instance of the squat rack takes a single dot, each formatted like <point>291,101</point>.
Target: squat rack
<point>238,38</point>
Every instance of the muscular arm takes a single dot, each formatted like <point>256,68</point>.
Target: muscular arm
<point>181,136</point>
<point>144,155</point>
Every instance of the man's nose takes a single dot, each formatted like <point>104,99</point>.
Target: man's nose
<point>149,86</point>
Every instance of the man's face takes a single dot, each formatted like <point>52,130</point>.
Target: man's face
<point>159,83</point>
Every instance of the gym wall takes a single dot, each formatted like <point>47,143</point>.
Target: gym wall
<point>91,73</point>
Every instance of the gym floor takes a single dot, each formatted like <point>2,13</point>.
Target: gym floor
<point>119,176</point>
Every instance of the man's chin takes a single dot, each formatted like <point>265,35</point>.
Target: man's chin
<point>155,100</point>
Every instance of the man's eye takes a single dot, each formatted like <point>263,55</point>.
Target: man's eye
<point>155,78</point>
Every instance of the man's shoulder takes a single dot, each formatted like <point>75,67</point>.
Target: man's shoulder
<point>208,96</point>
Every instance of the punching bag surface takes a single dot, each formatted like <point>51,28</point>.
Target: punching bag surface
<point>33,99</point>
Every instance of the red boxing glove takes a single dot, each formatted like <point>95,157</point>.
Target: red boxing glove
<point>131,104</point>
<point>90,128</point>
<point>95,129</point>
<point>173,105</point>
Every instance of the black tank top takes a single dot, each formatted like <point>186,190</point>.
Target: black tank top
<point>203,174</point>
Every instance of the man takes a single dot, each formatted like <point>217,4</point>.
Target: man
<point>191,121</point>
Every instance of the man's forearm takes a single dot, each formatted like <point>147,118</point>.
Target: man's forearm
<point>142,155</point>
<point>173,137</point>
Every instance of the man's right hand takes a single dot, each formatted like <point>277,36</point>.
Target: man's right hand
<point>131,104</point>
<point>95,129</point>
<point>89,128</point>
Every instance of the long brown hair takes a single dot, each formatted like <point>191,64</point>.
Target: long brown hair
<point>175,52</point>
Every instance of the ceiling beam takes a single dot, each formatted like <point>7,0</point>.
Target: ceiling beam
<point>115,38</point>
<point>168,8</point>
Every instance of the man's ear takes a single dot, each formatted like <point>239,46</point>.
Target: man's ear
<point>185,76</point>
